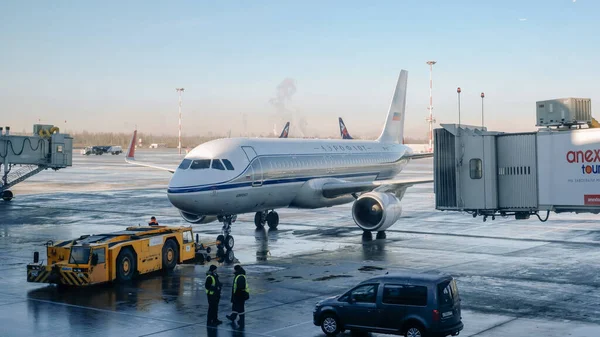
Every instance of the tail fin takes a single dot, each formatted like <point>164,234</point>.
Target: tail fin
<point>343,131</point>
<point>285,131</point>
<point>393,130</point>
<point>131,150</point>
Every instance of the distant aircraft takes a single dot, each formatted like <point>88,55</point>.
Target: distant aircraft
<point>222,178</point>
<point>343,130</point>
<point>285,131</point>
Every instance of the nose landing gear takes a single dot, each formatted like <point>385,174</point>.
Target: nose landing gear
<point>226,239</point>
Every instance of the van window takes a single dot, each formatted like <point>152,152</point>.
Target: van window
<point>185,164</point>
<point>228,164</point>
<point>405,295</point>
<point>200,164</point>
<point>365,294</point>
<point>216,164</point>
<point>447,292</point>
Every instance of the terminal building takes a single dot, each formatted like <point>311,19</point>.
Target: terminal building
<point>555,169</point>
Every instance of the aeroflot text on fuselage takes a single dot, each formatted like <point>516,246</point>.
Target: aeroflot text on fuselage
<point>586,157</point>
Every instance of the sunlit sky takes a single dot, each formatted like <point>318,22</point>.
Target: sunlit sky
<point>109,66</point>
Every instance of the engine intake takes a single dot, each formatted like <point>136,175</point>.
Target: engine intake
<point>376,211</point>
<point>196,219</point>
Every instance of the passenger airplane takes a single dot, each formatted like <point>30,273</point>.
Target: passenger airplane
<point>222,178</point>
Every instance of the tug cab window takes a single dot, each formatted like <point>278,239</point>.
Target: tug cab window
<point>216,164</point>
<point>200,164</point>
<point>185,164</point>
<point>228,164</point>
<point>475,168</point>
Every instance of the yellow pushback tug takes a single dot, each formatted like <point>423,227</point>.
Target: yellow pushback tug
<point>99,258</point>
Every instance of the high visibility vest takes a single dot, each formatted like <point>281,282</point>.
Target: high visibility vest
<point>214,283</point>
<point>247,289</point>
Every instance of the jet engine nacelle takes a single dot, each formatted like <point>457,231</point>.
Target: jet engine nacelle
<point>197,219</point>
<point>376,211</point>
<point>311,196</point>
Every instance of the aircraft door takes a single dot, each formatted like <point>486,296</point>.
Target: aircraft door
<point>257,173</point>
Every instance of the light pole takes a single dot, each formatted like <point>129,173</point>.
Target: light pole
<point>458,92</point>
<point>179,90</point>
<point>482,96</point>
<point>430,119</point>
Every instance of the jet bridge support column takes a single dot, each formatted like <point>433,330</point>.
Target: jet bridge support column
<point>22,157</point>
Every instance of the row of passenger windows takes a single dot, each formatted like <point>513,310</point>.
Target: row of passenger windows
<point>322,161</point>
<point>200,164</point>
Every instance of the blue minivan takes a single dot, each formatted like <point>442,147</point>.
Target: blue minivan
<point>413,305</point>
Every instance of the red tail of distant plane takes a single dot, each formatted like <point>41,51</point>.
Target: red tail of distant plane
<point>131,149</point>
<point>344,130</point>
<point>285,131</point>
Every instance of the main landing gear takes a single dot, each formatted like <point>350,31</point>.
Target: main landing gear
<point>226,239</point>
<point>270,218</point>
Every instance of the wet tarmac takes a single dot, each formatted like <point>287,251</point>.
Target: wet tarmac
<point>519,278</point>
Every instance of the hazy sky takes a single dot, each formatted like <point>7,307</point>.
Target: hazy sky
<point>110,65</point>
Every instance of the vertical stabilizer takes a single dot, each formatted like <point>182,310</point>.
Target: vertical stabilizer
<point>393,130</point>
<point>131,150</point>
<point>285,131</point>
<point>343,130</point>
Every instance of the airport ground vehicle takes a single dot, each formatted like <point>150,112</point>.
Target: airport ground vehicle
<point>115,150</point>
<point>120,256</point>
<point>406,304</point>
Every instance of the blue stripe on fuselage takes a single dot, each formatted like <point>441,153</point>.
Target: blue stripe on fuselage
<point>265,182</point>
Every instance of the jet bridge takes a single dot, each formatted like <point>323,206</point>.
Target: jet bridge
<point>555,169</point>
<point>22,157</point>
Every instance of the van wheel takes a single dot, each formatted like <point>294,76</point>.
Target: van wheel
<point>170,255</point>
<point>414,331</point>
<point>126,265</point>
<point>330,325</point>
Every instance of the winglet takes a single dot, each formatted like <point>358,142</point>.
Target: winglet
<point>131,150</point>
<point>393,130</point>
<point>344,130</point>
<point>285,131</point>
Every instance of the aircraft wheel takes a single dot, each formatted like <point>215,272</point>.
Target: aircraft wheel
<point>258,220</point>
<point>381,235</point>
<point>229,242</point>
<point>229,256</point>
<point>7,195</point>
<point>273,219</point>
<point>220,241</point>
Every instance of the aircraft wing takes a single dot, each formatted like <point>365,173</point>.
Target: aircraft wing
<point>398,187</point>
<point>418,155</point>
<point>130,157</point>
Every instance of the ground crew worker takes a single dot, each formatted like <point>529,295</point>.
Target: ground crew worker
<point>213,293</point>
<point>240,293</point>
<point>153,222</point>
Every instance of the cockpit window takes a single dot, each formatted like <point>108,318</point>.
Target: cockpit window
<point>199,164</point>
<point>228,164</point>
<point>185,164</point>
<point>216,164</point>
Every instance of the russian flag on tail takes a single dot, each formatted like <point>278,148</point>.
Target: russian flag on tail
<point>396,116</point>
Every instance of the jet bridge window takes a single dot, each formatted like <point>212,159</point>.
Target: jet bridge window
<point>228,164</point>
<point>199,164</point>
<point>475,168</point>
<point>216,164</point>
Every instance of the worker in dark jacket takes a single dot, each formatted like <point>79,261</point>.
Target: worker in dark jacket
<point>213,293</point>
<point>153,222</point>
<point>240,293</point>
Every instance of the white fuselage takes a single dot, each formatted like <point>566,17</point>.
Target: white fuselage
<point>276,173</point>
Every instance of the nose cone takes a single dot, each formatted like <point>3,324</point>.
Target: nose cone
<point>176,189</point>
